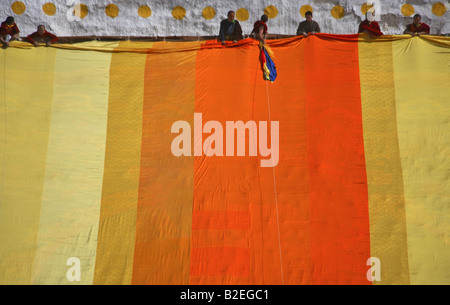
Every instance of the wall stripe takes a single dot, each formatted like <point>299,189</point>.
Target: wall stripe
<point>422,87</point>
<point>384,172</point>
<point>164,220</point>
<point>26,94</point>
<point>74,170</point>
<point>122,167</point>
<point>340,236</point>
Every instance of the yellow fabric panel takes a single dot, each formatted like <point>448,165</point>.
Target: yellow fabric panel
<point>115,250</point>
<point>74,170</point>
<point>24,131</point>
<point>422,86</point>
<point>384,171</point>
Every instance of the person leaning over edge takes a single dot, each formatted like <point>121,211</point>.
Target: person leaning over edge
<point>9,31</point>
<point>230,29</point>
<point>417,28</point>
<point>260,30</point>
<point>309,26</point>
<point>369,26</point>
<point>42,36</point>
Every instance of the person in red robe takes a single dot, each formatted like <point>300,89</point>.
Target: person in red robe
<point>259,31</point>
<point>42,36</point>
<point>9,31</point>
<point>369,26</point>
<point>417,28</point>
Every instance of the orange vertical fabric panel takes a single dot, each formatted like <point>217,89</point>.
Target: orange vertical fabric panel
<point>240,243</point>
<point>224,186</point>
<point>164,218</point>
<point>340,239</point>
<point>289,181</point>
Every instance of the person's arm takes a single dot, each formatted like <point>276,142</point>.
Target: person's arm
<point>2,35</point>
<point>316,28</point>
<point>4,42</point>
<point>53,38</point>
<point>408,31</point>
<point>222,33</point>
<point>16,32</point>
<point>237,32</point>
<point>425,30</point>
<point>360,28</point>
<point>300,30</point>
<point>377,27</point>
<point>261,35</point>
<point>31,40</point>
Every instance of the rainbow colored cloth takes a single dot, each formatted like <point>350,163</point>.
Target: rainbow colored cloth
<point>268,66</point>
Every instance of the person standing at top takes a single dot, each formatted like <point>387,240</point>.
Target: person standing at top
<point>309,26</point>
<point>42,36</point>
<point>260,30</point>
<point>417,28</point>
<point>230,29</point>
<point>9,31</point>
<point>369,26</point>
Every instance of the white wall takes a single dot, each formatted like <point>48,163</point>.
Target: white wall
<point>162,23</point>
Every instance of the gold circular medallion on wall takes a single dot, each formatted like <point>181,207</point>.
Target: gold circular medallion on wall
<point>112,10</point>
<point>304,9</point>
<point>407,10</point>
<point>271,11</point>
<point>209,13</point>
<point>439,9</point>
<point>338,12</point>
<point>49,9</point>
<point>178,12</point>
<point>144,11</point>
<point>242,14</point>
<point>18,7</point>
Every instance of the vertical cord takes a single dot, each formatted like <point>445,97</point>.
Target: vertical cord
<point>276,195</point>
<point>6,125</point>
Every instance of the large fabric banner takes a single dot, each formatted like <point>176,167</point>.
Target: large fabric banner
<point>174,163</point>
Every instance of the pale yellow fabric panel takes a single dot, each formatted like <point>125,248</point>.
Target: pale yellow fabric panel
<point>115,250</point>
<point>74,170</point>
<point>422,81</point>
<point>384,172</point>
<point>25,108</point>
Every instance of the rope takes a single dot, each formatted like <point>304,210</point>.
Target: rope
<point>6,125</point>
<point>275,190</point>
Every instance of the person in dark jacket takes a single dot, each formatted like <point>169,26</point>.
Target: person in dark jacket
<point>230,29</point>
<point>309,26</point>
